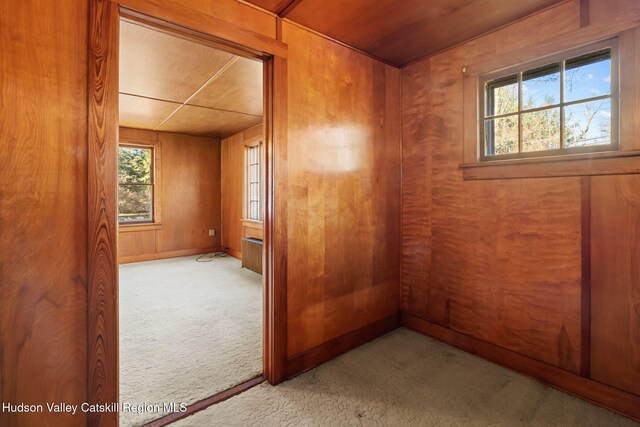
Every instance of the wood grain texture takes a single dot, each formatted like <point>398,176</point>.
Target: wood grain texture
<point>275,217</point>
<point>326,351</point>
<point>208,122</point>
<point>232,178</point>
<point>403,32</point>
<point>238,88</point>
<point>43,224</point>
<point>102,283</point>
<point>343,190</point>
<point>157,65</point>
<point>230,21</point>
<point>416,190</point>
<point>505,255</point>
<point>233,188</point>
<point>204,404</point>
<point>189,196</point>
<point>625,403</point>
<point>615,275</point>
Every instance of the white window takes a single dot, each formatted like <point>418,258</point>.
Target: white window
<point>253,182</point>
<point>560,106</point>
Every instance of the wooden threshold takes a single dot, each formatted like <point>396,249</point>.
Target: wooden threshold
<point>614,399</point>
<point>322,353</point>
<point>126,259</point>
<point>209,401</point>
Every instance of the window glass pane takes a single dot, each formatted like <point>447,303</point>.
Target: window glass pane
<point>588,123</point>
<point>501,136</point>
<point>134,165</point>
<point>587,76</point>
<point>502,96</point>
<point>541,87</point>
<point>541,130</point>
<point>135,203</point>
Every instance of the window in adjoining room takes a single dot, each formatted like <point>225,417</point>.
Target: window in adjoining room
<point>562,106</point>
<point>136,182</point>
<point>253,188</point>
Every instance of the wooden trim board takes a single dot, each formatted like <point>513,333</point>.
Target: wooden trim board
<point>102,231</point>
<point>203,404</point>
<point>170,254</point>
<point>318,355</point>
<point>609,397</point>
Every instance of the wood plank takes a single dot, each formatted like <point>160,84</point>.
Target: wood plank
<point>227,21</point>
<point>204,404</point>
<point>238,88</point>
<point>615,275</point>
<point>403,32</point>
<point>624,403</point>
<point>102,280</point>
<point>232,191</point>
<point>43,223</point>
<point>209,122</point>
<point>557,166</point>
<point>629,124</point>
<point>188,168</point>
<point>161,66</point>
<point>143,113</point>
<point>126,259</point>
<point>343,190</point>
<point>416,189</point>
<point>276,218</point>
<point>316,356</point>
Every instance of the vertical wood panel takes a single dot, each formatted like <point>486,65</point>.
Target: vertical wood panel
<point>343,190</point>
<point>190,192</point>
<point>615,273</point>
<point>43,269</point>
<point>505,256</point>
<point>416,189</point>
<point>102,210</point>
<point>232,192</point>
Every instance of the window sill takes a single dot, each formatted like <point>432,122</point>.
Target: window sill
<point>607,163</point>
<point>252,223</point>
<point>128,228</point>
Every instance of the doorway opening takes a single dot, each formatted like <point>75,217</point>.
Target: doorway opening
<point>191,192</point>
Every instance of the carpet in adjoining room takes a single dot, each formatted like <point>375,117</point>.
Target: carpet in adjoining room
<point>188,330</point>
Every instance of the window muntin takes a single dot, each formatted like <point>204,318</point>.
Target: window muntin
<point>135,184</point>
<point>253,188</point>
<point>562,107</point>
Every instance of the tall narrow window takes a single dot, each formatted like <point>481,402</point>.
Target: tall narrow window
<point>253,187</point>
<point>562,107</point>
<point>136,181</point>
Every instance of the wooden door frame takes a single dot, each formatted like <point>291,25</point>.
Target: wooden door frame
<point>102,143</point>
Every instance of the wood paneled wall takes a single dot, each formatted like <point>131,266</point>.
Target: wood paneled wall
<point>43,208</point>
<point>343,190</point>
<point>188,195</point>
<point>233,187</point>
<point>541,267</point>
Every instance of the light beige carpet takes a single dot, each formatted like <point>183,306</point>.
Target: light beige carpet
<point>188,330</point>
<point>406,379</point>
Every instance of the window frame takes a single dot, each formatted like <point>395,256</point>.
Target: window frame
<point>152,184</point>
<point>247,184</point>
<point>550,60</point>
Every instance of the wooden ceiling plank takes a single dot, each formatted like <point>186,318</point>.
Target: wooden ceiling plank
<point>289,8</point>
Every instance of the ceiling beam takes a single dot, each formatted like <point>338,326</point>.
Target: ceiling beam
<point>288,8</point>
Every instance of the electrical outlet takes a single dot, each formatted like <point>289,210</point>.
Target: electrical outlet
<point>212,232</point>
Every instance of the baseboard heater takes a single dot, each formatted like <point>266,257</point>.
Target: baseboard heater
<point>252,254</point>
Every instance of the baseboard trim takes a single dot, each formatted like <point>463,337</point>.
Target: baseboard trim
<point>235,254</point>
<point>318,355</point>
<point>597,393</point>
<point>164,255</point>
<point>203,404</point>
